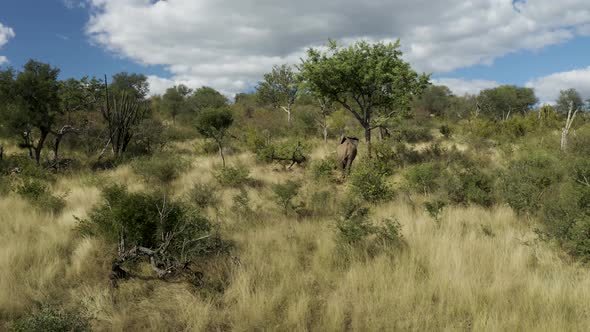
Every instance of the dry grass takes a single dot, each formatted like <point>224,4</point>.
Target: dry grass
<point>476,270</point>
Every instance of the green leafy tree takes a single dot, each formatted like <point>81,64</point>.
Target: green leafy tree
<point>76,97</point>
<point>279,89</point>
<point>135,85</point>
<point>500,102</point>
<point>569,99</point>
<point>213,123</point>
<point>36,105</point>
<point>174,100</point>
<point>206,97</point>
<point>371,81</point>
<point>436,99</point>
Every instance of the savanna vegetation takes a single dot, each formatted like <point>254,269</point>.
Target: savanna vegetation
<point>188,211</point>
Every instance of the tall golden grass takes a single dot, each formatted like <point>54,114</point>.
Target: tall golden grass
<point>476,269</point>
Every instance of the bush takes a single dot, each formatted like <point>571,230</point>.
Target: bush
<point>209,147</point>
<point>404,155</point>
<point>37,193</point>
<point>233,176</point>
<point>173,232</point>
<point>284,193</point>
<point>369,183</point>
<point>204,195</point>
<point>160,169</point>
<point>527,179</point>
<point>51,319</point>
<point>411,134</point>
<point>287,153</point>
<point>424,177</point>
<point>322,170</point>
<point>446,131</point>
<point>242,206</point>
<point>435,208</point>
<point>25,167</point>
<point>355,231</point>
<point>390,233</point>
<point>468,184</point>
<point>353,226</point>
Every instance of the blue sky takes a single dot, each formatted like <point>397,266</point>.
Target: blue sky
<point>229,44</point>
<point>48,31</point>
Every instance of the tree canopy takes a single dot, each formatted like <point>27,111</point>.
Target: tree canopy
<point>372,81</point>
<point>501,102</point>
<point>207,97</point>
<point>136,85</point>
<point>279,89</point>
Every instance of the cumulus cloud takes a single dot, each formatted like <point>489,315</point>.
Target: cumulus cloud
<point>6,33</point>
<point>229,44</point>
<point>461,87</point>
<point>547,87</point>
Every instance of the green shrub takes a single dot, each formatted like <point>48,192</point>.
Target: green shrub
<point>355,231</point>
<point>404,155</point>
<point>411,134</point>
<point>51,319</point>
<point>160,169</point>
<point>286,153</point>
<point>25,167</point>
<point>527,180</point>
<point>242,205</point>
<point>579,144</point>
<point>424,177</point>
<point>233,176</point>
<point>284,193</point>
<point>37,193</point>
<point>151,220</point>
<point>209,147</point>
<point>204,195</point>
<point>390,233</point>
<point>322,170</point>
<point>369,183</point>
<point>435,208</point>
<point>468,184</point>
<point>446,131</point>
<point>353,225</point>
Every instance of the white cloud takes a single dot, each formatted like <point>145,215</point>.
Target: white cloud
<point>460,86</point>
<point>6,33</point>
<point>72,4</point>
<point>229,44</point>
<point>547,87</point>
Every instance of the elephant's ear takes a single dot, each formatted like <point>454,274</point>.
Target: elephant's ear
<point>343,139</point>
<point>354,141</point>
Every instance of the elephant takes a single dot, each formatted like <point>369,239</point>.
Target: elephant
<point>347,152</point>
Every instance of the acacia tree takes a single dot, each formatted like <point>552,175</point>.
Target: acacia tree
<point>322,108</point>
<point>436,99</point>
<point>570,103</point>
<point>280,89</point>
<point>501,102</point>
<point>213,123</point>
<point>174,100</point>
<point>82,96</point>
<point>36,91</point>
<point>207,97</point>
<point>369,80</point>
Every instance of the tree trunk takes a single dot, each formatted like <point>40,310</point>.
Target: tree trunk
<point>40,144</point>
<point>325,134</point>
<point>571,116</point>
<point>368,139</point>
<point>221,154</point>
